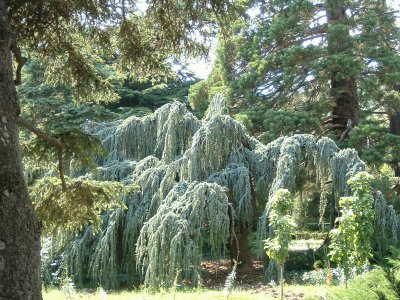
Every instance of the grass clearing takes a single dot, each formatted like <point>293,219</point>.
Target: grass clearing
<point>373,285</point>
<point>305,245</point>
<point>291,292</point>
<point>200,295</point>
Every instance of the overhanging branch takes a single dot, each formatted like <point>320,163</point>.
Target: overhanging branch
<point>21,61</point>
<point>55,142</point>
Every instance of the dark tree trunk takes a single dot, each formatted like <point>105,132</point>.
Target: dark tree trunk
<point>345,112</point>
<point>344,102</point>
<point>395,129</point>
<point>239,248</point>
<point>281,279</point>
<point>19,228</point>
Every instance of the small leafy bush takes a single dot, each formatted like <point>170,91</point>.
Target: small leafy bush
<point>372,285</point>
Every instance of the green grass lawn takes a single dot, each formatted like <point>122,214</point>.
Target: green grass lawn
<point>291,292</point>
<point>305,245</point>
<point>373,285</point>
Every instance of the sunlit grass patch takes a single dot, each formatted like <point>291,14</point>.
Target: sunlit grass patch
<point>291,292</point>
<point>195,295</point>
<point>305,245</point>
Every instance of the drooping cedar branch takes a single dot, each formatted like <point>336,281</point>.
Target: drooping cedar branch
<point>55,142</point>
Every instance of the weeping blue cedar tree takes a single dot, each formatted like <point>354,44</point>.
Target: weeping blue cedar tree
<point>200,182</point>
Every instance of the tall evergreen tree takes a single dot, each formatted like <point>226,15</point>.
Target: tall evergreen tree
<point>343,53</point>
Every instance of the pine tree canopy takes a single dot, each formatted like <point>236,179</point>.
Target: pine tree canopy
<point>73,37</point>
<point>323,57</point>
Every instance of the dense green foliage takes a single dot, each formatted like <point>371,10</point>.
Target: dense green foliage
<point>351,241</point>
<point>282,226</point>
<point>80,204</point>
<point>140,41</point>
<point>375,143</point>
<point>51,109</point>
<point>288,48</point>
<point>372,285</point>
<point>392,268</point>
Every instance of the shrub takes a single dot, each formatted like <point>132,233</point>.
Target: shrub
<point>372,285</point>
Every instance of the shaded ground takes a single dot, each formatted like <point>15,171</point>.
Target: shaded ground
<point>247,278</point>
<point>215,273</point>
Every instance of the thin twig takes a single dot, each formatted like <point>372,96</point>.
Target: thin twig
<point>349,127</point>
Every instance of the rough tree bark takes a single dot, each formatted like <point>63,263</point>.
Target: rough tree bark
<point>394,121</point>
<point>19,228</point>
<point>345,105</point>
